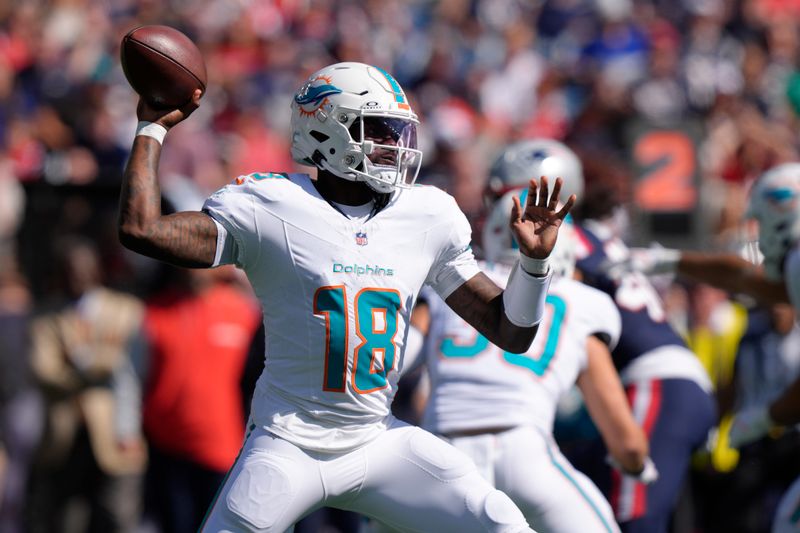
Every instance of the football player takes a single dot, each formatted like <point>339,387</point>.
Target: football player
<point>498,407</point>
<point>340,260</point>
<point>667,387</point>
<point>775,204</point>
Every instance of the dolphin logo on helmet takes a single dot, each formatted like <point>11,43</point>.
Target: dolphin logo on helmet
<point>782,198</point>
<point>314,94</point>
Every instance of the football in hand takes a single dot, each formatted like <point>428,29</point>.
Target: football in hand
<point>163,65</point>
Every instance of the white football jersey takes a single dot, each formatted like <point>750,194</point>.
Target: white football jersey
<point>336,294</point>
<point>475,384</point>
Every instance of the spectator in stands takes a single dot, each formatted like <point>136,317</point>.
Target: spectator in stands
<point>198,334</point>
<point>88,471</point>
<point>20,403</point>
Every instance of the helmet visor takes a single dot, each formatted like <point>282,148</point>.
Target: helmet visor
<point>393,154</point>
<point>388,130</point>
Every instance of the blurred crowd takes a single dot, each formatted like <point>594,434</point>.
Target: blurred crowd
<point>110,363</point>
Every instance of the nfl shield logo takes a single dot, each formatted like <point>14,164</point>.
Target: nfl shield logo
<point>361,238</point>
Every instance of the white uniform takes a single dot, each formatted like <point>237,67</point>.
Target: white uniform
<point>476,385</point>
<point>337,293</point>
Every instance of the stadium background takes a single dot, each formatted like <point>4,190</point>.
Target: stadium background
<point>674,106</point>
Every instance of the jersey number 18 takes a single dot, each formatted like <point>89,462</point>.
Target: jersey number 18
<point>376,326</point>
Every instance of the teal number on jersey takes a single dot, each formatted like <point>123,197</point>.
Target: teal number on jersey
<point>451,349</point>
<point>376,326</point>
<point>537,365</point>
<point>330,302</point>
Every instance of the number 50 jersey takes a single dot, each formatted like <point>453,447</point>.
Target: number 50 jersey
<point>476,385</point>
<point>336,293</point>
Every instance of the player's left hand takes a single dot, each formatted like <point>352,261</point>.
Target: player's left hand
<point>749,425</point>
<point>536,226</point>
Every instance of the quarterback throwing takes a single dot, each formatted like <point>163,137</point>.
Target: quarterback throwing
<point>338,262</point>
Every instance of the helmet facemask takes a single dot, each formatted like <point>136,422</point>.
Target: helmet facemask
<point>775,204</point>
<point>775,238</point>
<point>389,147</point>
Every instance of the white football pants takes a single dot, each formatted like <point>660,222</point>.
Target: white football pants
<point>526,464</point>
<point>407,478</point>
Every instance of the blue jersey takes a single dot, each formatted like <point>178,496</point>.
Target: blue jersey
<point>644,324</point>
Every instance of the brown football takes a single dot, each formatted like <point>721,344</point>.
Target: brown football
<point>163,65</point>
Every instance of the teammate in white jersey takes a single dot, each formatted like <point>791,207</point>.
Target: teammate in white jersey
<point>338,262</point>
<point>666,386</point>
<point>499,407</point>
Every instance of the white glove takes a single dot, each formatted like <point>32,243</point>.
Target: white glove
<point>649,261</point>
<point>648,474</point>
<point>749,425</point>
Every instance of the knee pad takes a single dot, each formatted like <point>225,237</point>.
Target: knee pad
<point>496,511</point>
<point>259,494</point>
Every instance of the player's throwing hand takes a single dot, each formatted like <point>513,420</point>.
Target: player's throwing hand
<point>536,228</point>
<point>167,117</point>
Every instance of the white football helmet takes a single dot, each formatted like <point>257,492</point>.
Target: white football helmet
<point>533,158</point>
<point>775,204</point>
<point>354,121</point>
<point>500,246</point>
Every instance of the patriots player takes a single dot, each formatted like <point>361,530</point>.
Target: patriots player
<point>775,204</point>
<point>667,387</point>
<point>340,260</point>
<point>499,407</point>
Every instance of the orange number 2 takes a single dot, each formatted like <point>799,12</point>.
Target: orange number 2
<point>668,181</point>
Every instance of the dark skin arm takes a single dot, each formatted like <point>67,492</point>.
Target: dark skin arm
<point>479,301</point>
<point>732,273</point>
<point>187,239</point>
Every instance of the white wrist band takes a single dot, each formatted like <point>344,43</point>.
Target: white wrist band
<point>537,267</point>
<point>151,129</point>
<point>524,297</point>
